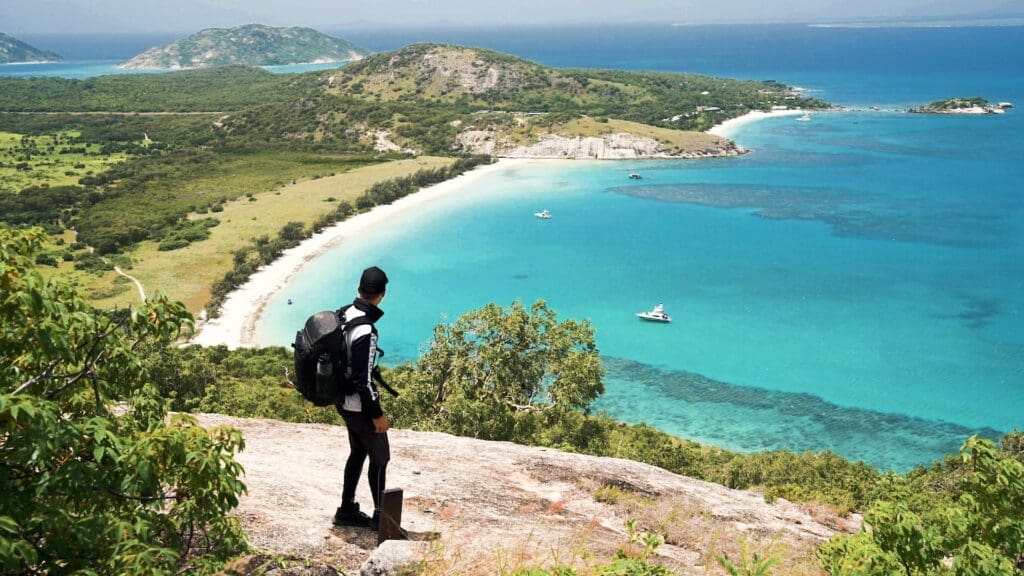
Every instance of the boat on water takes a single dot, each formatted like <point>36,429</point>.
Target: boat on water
<point>804,118</point>
<point>656,315</point>
<point>635,176</point>
<point>543,215</point>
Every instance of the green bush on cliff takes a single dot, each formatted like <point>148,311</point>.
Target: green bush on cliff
<point>501,374</point>
<point>85,488</point>
<point>980,532</point>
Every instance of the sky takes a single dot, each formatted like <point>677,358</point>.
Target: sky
<point>126,16</point>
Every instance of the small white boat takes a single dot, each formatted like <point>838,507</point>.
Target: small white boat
<point>804,118</point>
<point>635,176</point>
<point>543,215</point>
<point>656,315</point>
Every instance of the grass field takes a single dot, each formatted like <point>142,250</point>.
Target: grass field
<point>164,189</point>
<point>188,273</point>
<point>41,161</point>
<point>680,139</point>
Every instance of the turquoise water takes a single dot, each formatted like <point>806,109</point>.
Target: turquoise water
<point>854,284</point>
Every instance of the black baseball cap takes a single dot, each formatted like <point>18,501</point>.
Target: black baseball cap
<point>373,281</point>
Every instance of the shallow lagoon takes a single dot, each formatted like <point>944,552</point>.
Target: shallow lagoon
<point>853,284</point>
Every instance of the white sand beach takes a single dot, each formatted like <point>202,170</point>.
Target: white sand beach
<point>725,129</point>
<point>243,308</point>
<point>236,325</point>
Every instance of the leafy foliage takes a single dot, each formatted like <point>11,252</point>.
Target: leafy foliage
<point>214,89</point>
<point>979,532</point>
<point>186,232</point>
<point>84,488</point>
<point>498,374</point>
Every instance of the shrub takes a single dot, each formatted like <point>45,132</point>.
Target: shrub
<point>980,532</point>
<point>86,489</point>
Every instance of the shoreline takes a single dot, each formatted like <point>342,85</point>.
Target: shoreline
<point>732,125</point>
<point>242,310</point>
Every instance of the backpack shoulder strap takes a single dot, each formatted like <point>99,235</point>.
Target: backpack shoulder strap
<point>353,323</point>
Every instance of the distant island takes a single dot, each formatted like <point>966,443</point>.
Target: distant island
<point>974,105</point>
<point>13,51</point>
<point>249,45</point>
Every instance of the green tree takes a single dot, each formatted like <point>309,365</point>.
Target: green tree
<point>93,478</point>
<point>979,533</point>
<point>500,374</point>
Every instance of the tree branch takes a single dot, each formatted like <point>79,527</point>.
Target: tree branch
<point>42,376</point>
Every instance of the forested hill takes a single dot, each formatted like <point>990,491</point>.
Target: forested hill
<point>428,97</point>
<point>481,78</point>
<point>14,50</point>
<point>250,45</point>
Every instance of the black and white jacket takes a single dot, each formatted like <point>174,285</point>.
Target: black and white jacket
<point>361,341</point>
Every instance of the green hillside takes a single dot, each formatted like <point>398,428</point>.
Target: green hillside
<point>14,50</point>
<point>474,78</point>
<point>250,45</point>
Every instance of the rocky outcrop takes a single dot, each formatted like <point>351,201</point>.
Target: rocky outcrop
<point>485,501</point>
<point>620,146</point>
<point>440,69</point>
<point>251,45</point>
<point>395,557</point>
<point>969,106</point>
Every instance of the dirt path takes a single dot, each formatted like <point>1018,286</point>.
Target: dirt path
<point>142,292</point>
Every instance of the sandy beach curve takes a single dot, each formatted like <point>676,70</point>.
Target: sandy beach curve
<point>241,312</point>
<point>730,127</point>
<point>243,308</point>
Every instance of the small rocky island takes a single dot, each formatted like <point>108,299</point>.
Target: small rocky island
<point>974,105</point>
<point>250,45</point>
<point>13,50</point>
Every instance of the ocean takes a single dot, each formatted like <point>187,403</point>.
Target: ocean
<point>854,284</point>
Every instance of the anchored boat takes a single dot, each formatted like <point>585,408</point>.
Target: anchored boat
<point>656,315</point>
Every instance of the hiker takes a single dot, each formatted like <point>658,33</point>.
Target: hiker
<point>365,420</point>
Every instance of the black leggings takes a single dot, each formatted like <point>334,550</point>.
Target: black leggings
<point>363,442</point>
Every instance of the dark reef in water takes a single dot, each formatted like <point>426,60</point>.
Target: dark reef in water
<point>787,420</point>
<point>976,312</point>
<point>848,212</point>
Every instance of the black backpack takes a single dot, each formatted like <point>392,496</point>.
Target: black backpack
<point>322,359</point>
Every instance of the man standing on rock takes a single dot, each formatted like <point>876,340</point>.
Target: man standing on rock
<point>365,420</point>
